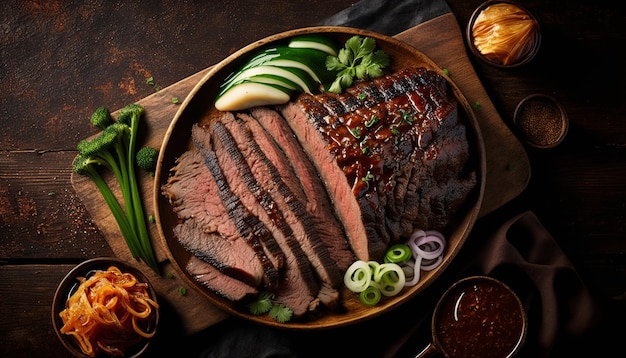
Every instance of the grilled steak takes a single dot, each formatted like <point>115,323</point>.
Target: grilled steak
<point>286,198</point>
<point>259,202</point>
<point>377,149</point>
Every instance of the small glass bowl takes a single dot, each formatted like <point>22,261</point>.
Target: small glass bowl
<point>527,57</point>
<point>69,284</point>
<point>541,121</point>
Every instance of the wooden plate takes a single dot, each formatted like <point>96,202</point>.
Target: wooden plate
<point>199,105</point>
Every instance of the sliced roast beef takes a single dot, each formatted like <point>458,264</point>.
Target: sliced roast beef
<point>295,193</point>
<point>300,176</point>
<point>215,280</point>
<point>206,228</point>
<point>248,224</point>
<point>298,287</point>
<point>247,155</point>
<point>339,190</point>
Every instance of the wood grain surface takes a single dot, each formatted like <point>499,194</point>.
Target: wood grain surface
<point>508,169</point>
<point>63,59</point>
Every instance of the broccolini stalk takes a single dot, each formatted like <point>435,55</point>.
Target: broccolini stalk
<point>115,149</point>
<point>131,116</point>
<point>87,166</point>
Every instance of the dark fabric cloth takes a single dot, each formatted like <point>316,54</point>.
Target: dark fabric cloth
<point>388,17</point>
<point>523,254</point>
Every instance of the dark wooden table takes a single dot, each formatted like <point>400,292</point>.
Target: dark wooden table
<point>60,60</point>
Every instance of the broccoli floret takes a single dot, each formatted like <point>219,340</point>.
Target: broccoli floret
<point>114,148</point>
<point>147,159</point>
<point>101,118</point>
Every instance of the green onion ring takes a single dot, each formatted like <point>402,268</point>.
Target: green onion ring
<point>370,296</point>
<point>389,278</point>
<point>398,253</point>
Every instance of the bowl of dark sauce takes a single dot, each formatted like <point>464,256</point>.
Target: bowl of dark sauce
<point>478,316</point>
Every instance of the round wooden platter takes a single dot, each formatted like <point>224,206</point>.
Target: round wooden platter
<point>198,107</point>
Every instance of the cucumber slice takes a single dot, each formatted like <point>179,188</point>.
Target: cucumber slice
<point>274,80</point>
<point>294,64</point>
<point>317,42</point>
<point>310,60</point>
<point>248,94</point>
<point>300,77</point>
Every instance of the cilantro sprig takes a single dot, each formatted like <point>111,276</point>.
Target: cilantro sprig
<point>358,59</point>
<point>264,304</point>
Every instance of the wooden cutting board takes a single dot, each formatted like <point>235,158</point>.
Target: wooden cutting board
<point>508,169</point>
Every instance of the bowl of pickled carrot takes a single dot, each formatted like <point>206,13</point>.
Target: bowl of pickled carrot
<point>105,307</point>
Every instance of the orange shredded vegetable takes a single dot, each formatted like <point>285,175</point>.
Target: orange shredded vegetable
<point>504,33</point>
<point>109,312</point>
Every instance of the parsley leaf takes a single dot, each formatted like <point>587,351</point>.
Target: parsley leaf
<point>262,305</point>
<point>358,59</point>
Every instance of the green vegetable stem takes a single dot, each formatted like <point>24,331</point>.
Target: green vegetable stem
<point>114,149</point>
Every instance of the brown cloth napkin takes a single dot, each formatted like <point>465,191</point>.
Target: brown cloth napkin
<point>523,253</point>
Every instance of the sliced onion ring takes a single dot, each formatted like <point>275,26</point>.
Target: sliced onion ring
<point>358,276</point>
<point>420,238</point>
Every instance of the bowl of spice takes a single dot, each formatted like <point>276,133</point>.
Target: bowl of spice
<point>503,34</point>
<point>541,121</point>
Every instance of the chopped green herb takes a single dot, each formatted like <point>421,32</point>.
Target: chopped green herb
<point>280,313</point>
<point>358,59</point>
<point>477,105</point>
<point>365,150</point>
<point>362,96</point>
<point>151,219</point>
<point>170,275</point>
<point>182,291</point>
<point>368,177</point>
<point>356,132</point>
<point>52,193</point>
<point>394,130</point>
<point>446,72</point>
<point>371,121</point>
<point>175,100</point>
<point>150,81</point>
<point>262,304</point>
<point>407,117</point>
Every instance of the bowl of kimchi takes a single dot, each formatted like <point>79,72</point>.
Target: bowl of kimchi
<point>105,307</point>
